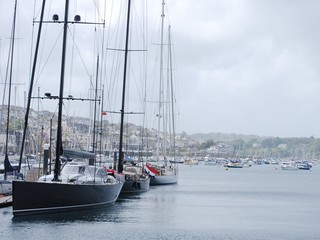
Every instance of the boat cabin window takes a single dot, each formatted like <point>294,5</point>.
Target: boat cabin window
<point>81,170</point>
<point>71,169</point>
<point>101,173</point>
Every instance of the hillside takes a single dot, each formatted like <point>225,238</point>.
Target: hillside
<point>227,137</point>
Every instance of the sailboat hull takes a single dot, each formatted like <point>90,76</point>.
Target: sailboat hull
<point>162,175</point>
<point>136,186</point>
<point>5,187</point>
<point>163,180</point>
<point>42,197</point>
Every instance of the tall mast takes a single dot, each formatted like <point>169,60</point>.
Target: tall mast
<point>172,98</point>
<point>101,118</point>
<point>95,109</point>
<point>120,162</point>
<point>160,114</point>
<point>59,149</point>
<point>31,84</point>
<point>10,84</point>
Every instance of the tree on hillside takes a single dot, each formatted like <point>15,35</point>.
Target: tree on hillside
<point>207,144</point>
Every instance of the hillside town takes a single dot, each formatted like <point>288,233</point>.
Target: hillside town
<point>138,141</point>
<point>142,142</point>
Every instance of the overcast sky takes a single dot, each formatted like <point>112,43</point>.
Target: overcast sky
<point>243,66</point>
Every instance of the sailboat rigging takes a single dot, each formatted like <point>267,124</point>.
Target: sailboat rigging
<point>31,85</point>
<point>6,185</point>
<point>120,161</point>
<point>165,173</point>
<point>136,181</point>
<point>73,185</point>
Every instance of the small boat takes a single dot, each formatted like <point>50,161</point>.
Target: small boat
<point>234,164</point>
<point>211,162</point>
<point>259,162</point>
<point>175,160</point>
<point>162,174</point>
<point>289,166</point>
<point>136,180</point>
<point>304,165</point>
<point>191,162</point>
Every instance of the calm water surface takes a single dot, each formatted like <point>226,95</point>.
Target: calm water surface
<point>261,202</point>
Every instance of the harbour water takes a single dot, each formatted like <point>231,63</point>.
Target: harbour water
<point>209,202</point>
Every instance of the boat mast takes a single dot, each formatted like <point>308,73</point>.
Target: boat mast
<point>95,109</point>
<point>120,162</point>
<point>172,98</point>
<point>59,148</point>
<point>10,84</point>
<point>31,85</point>
<point>101,125</point>
<point>160,114</point>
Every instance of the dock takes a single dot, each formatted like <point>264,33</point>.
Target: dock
<point>6,201</point>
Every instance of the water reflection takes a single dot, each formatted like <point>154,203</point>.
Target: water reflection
<point>207,203</point>
<point>111,213</point>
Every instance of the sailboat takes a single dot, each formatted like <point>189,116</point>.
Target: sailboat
<point>9,173</point>
<point>73,185</point>
<point>136,180</point>
<point>164,171</point>
<point>5,183</point>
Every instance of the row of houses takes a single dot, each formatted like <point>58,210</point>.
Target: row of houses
<point>79,133</point>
